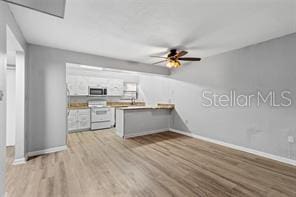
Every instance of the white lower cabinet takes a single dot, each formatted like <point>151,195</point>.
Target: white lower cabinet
<point>78,119</point>
<point>84,121</point>
<point>72,120</point>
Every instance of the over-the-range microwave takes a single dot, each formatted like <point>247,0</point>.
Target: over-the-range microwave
<point>97,91</point>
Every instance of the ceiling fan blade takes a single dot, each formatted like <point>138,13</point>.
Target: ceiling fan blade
<point>159,62</point>
<point>189,58</point>
<point>181,53</point>
<point>158,56</point>
<point>173,52</point>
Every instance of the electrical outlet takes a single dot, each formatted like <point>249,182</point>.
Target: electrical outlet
<point>291,139</point>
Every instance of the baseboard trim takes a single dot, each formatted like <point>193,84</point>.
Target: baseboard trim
<point>19,161</point>
<point>47,151</point>
<point>145,133</point>
<point>248,150</point>
<point>26,156</point>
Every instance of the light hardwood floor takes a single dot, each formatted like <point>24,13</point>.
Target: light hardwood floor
<point>167,164</point>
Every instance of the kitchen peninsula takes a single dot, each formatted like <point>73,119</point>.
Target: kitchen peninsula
<point>143,120</point>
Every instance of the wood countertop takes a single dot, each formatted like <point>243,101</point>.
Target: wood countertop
<point>158,106</point>
<point>78,107</point>
<point>124,106</point>
<point>74,106</point>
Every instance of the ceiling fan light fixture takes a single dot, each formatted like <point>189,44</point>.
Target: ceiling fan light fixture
<point>173,64</point>
<point>174,57</point>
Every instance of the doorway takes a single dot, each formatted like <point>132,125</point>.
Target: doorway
<point>15,98</point>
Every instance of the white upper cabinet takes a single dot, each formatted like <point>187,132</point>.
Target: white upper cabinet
<point>92,81</point>
<point>78,85</point>
<point>115,87</point>
<point>71,85</point>
<point>82,86</point>
<point>97,82</point>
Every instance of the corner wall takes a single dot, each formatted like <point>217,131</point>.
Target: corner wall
<point>267,66</point>
<point>6,18</point>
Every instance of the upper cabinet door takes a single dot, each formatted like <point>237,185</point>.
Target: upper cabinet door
<point>77,86</point>
<point>84,118</point>
<point>82,86</point>
<point>115,87</point>
<point>84,122</point>
<point>92,82</point>
<point>71,86</point>
<point>97,82</point>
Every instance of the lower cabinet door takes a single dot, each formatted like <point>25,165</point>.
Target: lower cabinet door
<point>78,120</point>
<point>73,125</point>
<point>72,120</point>
<point>84,121</point>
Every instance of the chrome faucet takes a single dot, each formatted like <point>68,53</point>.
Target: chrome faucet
<point>133,101</point>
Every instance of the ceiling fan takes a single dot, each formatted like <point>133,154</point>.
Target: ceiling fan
<point>174,57</point>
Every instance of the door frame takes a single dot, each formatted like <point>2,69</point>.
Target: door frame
<point>20,70</point>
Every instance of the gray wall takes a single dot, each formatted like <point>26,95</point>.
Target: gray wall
<point>267,66</point>
<point>47,91</point>
<point>6,18</point>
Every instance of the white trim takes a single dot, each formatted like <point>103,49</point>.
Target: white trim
<point>19,161</point>
<point>47,151</point>
<point>145,133</point>
<point>248,150</point>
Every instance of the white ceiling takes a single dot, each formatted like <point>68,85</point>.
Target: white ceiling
<point>134,30</point>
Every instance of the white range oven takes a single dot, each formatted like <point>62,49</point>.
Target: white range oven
<point>102,116</point>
